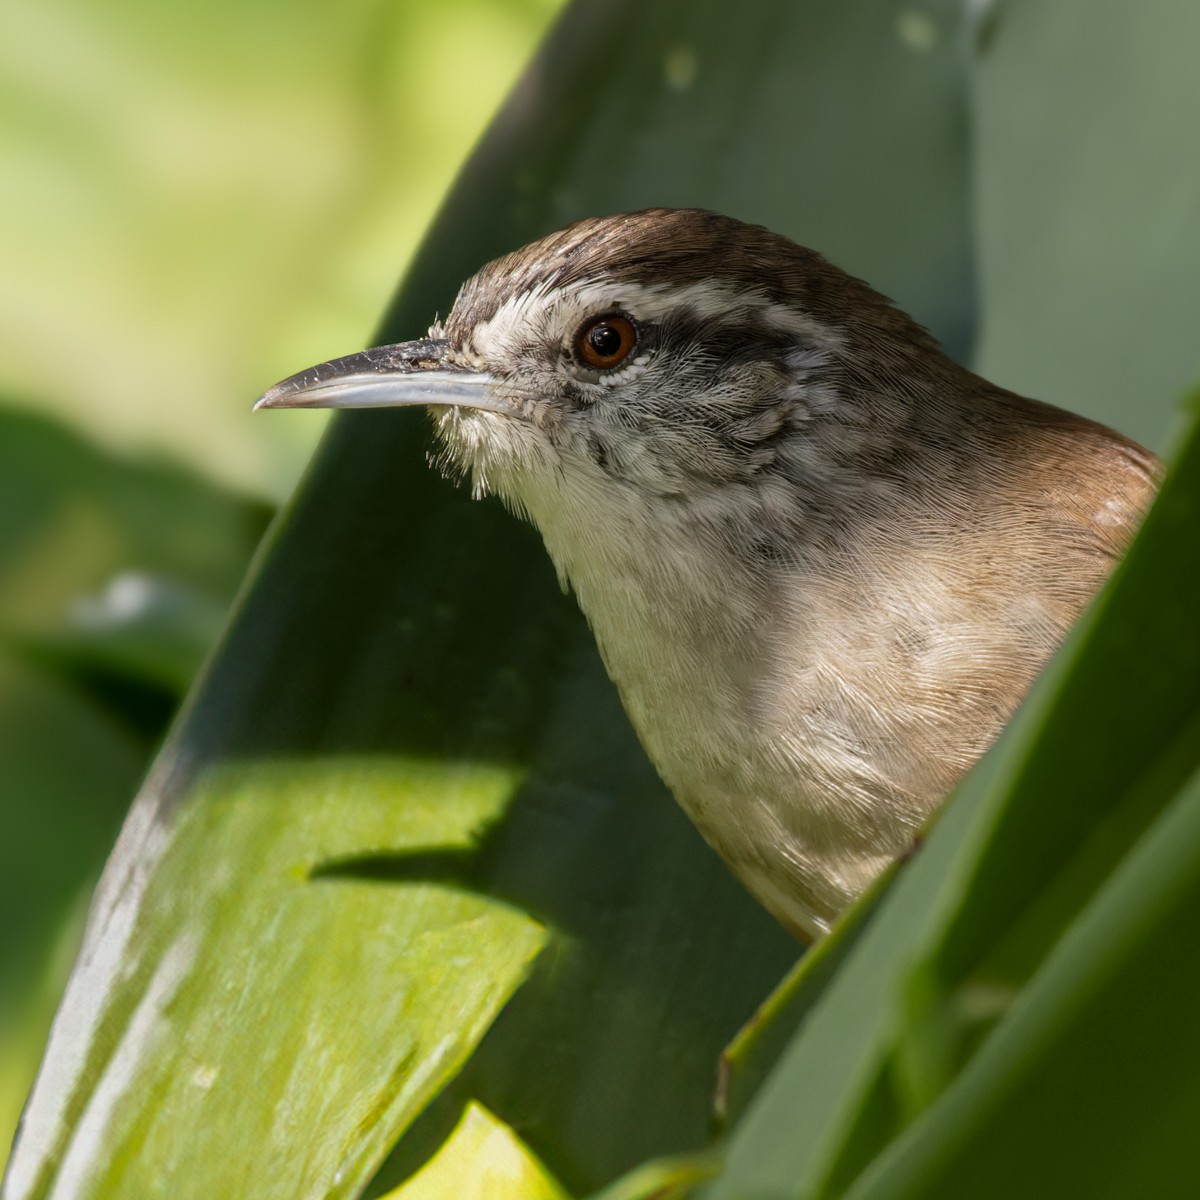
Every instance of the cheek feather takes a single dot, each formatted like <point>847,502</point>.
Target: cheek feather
<point>498,454</point>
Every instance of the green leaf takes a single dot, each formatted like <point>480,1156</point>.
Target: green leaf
<point>82,535</point>
<point>752,1055</point>
<point>72,518</point>
<point>68,768</point>
<point>1090,1087</point>
<point>394,627</point>
<point>662,1179</point>
<point>141,629</point>
<point>1089,259</point>
<point>434,962</point>
<point>481,1160</point>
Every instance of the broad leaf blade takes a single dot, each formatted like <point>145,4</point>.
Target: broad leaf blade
<point>1090,1087</point>
<point>1088,243</point>
<point>81,532</point>
<point>438,962</point>
<point>393,622</point>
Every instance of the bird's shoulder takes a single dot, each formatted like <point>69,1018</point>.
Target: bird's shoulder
<point>1080,474</point>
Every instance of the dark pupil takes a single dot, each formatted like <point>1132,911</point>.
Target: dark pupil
<point>605,340</point>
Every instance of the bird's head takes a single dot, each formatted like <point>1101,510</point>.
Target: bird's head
<point>664,353</point>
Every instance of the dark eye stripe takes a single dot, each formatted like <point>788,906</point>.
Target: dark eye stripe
<point>725,342</point>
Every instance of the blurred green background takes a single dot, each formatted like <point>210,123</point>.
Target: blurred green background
<point>195,200</point>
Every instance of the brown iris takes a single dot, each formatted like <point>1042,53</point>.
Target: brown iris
<point>606,342</point>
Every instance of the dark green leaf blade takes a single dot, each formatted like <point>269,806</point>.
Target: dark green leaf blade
<point>1093,1079</point>
<point>1088,243</point>
<point>393,621</point>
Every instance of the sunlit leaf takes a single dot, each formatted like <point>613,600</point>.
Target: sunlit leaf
<point>481,1160</point>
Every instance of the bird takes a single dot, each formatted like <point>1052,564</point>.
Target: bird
<point>823,562</point>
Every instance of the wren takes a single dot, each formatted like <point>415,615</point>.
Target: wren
<point>822,561</point>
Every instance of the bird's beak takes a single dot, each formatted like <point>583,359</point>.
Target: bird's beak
<point>418,372</point>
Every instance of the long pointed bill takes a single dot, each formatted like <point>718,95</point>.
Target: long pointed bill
<point>408,373</point>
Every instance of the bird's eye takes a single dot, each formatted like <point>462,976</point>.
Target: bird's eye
<point>606,342</point>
